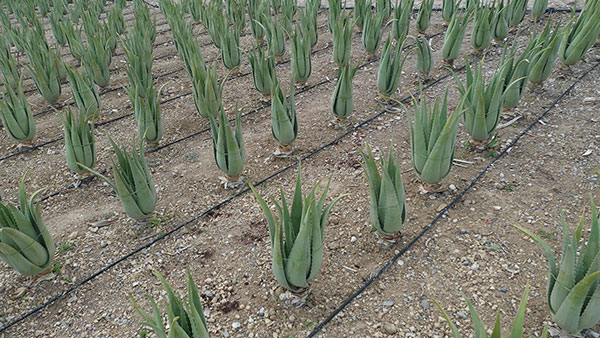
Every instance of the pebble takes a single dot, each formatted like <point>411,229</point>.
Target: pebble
<point>390,328</point>
<point>464,231</point>
<point>388,303</point>
<point>461,315</point>
<point>475,266</point>
<point>236,325</point>
<point>226,334</point>
<point>352,239</point>
<point>400,262</point>
<point>452,187</point>
<point>497,207</point>
<point>504,289</point>
<point>425,305</point>
<point>261,312</point>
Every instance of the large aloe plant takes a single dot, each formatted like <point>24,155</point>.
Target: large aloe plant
<point>390,68</point>
<point>16,114</point>
<point>401,22</point>
<point>85,93</point>
<point>574,287</point>
<point>580,34</point>
<point>297,256</point>
<point>80,145</point>
<point>25,243</point>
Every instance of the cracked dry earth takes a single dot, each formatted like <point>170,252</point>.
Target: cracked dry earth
<point>472,250</point>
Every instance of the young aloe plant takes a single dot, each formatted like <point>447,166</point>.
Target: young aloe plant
<point>401,22</point>
<point>454,36</point>
<point>480,332</point>
<point>516,11</point>
<point>544,53</point>
<point>8,66</point>
<point>388,202</point>
<point>96,57</point>
<point>310,30</point>
<point>85,93</point>
<point>390,68</point>
<point>284,125</point>
<point>371,34</point>
<point>236,13</point>
<point>335,11</point>
<point>424,56</point>
<point>481,36</point>
<point>57,26</point>
<point>384,8</point>
<point>230,50</point>
<point>361,10</point>
<point>73,37</point>
<point>257,11</point>
<point>147,114</point>
<point>297,259</point>
<point>483,103</point>
<point>499,25</point>
<point>44,67</point>
<point>449,7</point>
<point>133,181</point>
<point>432,139</point>
<point>228,147</point>
<point>185,320</point>
<point>517,74</point>
<point>342,101</point>
<point>573,294</point>
<point>207,91</point>
<point>25,243</point>
<point>301,57</point>
<point>79,141</point>
<point>424,16</point>
<point>16,114</point>
<point>263,71</point>
<point>579,35</point>
<point>539,8</point>
<point>116,22</point>
<point>216,25</point>
<point>275,36</point>
<point>342,40</point>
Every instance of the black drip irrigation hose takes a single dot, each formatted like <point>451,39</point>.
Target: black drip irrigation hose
<point>450,205</point>
<point>217,206</point>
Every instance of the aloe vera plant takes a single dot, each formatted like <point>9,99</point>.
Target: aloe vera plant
<point>79,141</point>
<point>73,37</point>
<point>186,320</point>
<point>449,7</point>
<point>44,67</point>
<point>371,34</point>
<point>573,293</point>
<point>57,26</point>
<point>384,8</point>
<point>539,8</point>
<point>480,331</point>
<point>206,89</point>
<point>361,9</point>
<point>388,202</point>
<point>424,16</point>
<point>432,139</point>
<point>342,100</point>
<point>143,23</point>
<point>216,25</point>
<point>284,125</point>
<point>483,103</point>
<point>516,11</point>
<point>297,235</point>
<point>301,57</point>
<point>228,146</point>
<point>517,74</point>
<point>455,35</point>
<point>8,66</point>
<point>424,56</point>
<point>138,50</point>
<point>335,11</point>
<point>401,22</point>
<point>499,25</point>
<point>147,114</point>
<point>310,30</point>
<point>275,36</point>
<point>236,12</point>
<point>85,93</point>
<point>230,50</point>
<point>116,22</point>
<point>263,70</point>
<point>133,181</point>
<point>579,35</point>
<point>96,57</point>
<point>16,114</point>
<point>342,40</point>
<point>25,243</point>
<point>257,11</point>
<point>390,68</point>
<point>481,35</point>
<point>544,53</point>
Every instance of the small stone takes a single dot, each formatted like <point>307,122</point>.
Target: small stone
<point>461,315</point>
<point>332,245</point>
<point>425,305</point>
<point>388,303</point>
<point>591,99</point>
<point>73,235</point>
<point>352,239</point>
<point>390,328</point>
<point>497,207</point>
<point>400,262</point>
<point>261,312</point>
<point>226,334</point>
<point>475,266</point>
<point>503,289</point>
<point>464,231</point>
<point>452,187</point>
<point>236,325</point>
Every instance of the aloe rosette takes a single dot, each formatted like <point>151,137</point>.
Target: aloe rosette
<point>146,110</point>
<point>483,103</point>
<point>424,56</point>
<point>133,181</point>
<point>361,9</point>
<point>230,50</point>
<point>390,68</point>
<point>138,51</point>
<point>424,16</point>
<point>80,145</point>
<point>297,235</point>
<point>516,11</point>
<point>25,243</point>
<point>449,7</point>
<point>57,26</point>
<point>44,66</point>
<point>310,30</point>
<point>539,8</point>
<point>206,89</point>
<point>236,12</point>
<point>371,34</point>
<point>186,319</point>
<point>384,8</point>
<point>388,201</point>
<point>8,66</point>
<point>275,36</point>
<point>284,125</point>
<point>16,114</point>
<point>73,37</point>
<point>573,293</point>
<point>455,35</point>
<point>581,34</point>
<point>342,40</point>
<point>301,57</point>
<point>257,10</point>
<point>228,146</point>
<point>342,100</point>
<point>481,35</point>
<point>115,19</point>
<point>263,71</point>
<point>479,329</point>
<point>96,57</point>
<point>544,53</point>
<point>432,139</point>
<point>401,22</point>
<point>499,25</point>
<point>517,74</point>
<point>85,93</point>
